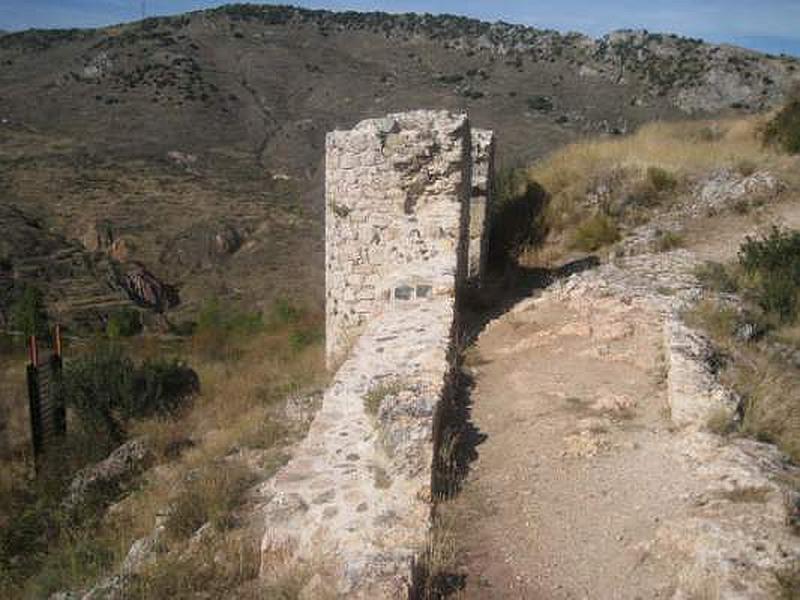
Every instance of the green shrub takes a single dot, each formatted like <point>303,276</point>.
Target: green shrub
<point>661,180</point>
<point>772,265</point>
<point>29,315</point>
<point>594,233</point>
<point>220,326</point>
<point>160,388</point>
<point>285,312</point>
<point>540,103</point>
<point>225,318</point>
<point>669,240</point>
<point>126,322</point>
<point>301,339</point>
<point>106,390</point>
<point>784,129</point>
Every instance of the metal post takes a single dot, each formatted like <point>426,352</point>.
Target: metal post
<point>33,351</point>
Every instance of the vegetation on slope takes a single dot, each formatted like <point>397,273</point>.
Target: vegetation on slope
<point>761,338</point>
<point>597,189</point>
<point>784,128</point>
<point>207,452</point>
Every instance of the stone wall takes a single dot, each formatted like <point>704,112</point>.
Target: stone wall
<point>483,149</point>
<point>355,500</point>
<point>392,219</point>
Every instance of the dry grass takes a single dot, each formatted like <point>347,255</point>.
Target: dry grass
<point>630,175</point>
<point>771,413</point>
<point>231,435</point>
<point>716,318</point>
<point>720,422</point>
<point>439,564</point>
<point>209,495</point>
<point>669,240</point>
<point>595,232</point>
<point>677,148</point>
<point>766,383</point>
<point>222,567</point>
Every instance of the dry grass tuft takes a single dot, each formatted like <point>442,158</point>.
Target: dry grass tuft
<point>439,564</point>
<point>208,496</point>
<point>595,232</point>
<point>375,396</point>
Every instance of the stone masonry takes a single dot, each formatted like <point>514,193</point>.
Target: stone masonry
<point>355,500</point>
<point>393,200</point>
<point>481,201</point>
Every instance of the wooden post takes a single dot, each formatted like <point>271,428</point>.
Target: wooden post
<point>58,341</point>
<point>34,406</point>
<point>33,351</point>
<point>57,398</point>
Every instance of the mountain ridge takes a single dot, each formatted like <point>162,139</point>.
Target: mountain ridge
<point>221,114</point>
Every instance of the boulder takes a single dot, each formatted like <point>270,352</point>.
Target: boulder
<point>145,289</point>
<point>725,186</point>
<point>114,471</point>
<point>202,245</point>
<point>98,236</point>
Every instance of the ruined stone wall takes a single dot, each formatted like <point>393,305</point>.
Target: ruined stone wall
<point>393,203</point>
<point>483,150</point>
<point>357,493</point>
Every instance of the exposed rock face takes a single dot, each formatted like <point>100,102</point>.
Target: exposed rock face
<point>98,237</point>
<point>122,464</point>
<point>724,187</point>
<point>75,282</point>
<point>357,492</point>
<point>694,393</point>
<point>146,290</point>
<point>203,245</point>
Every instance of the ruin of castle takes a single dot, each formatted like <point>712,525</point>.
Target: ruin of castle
<point>407,202</point>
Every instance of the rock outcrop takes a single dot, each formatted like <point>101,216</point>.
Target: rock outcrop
<point>734,534</point>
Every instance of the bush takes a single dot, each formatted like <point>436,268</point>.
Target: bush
<point>517,221</point>
<point>218,328</point>
<point>540,103</point>
<point>29,315</point>
<point>106,390</point>
<point>126,322</point>
<point>284,312</point>
<point>784,129</point>
<point>594,233</point>
<point>661,180</point>
<point>224,318</point>
<point>772,265</point>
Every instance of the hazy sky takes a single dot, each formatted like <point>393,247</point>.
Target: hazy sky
<point>770,25</point>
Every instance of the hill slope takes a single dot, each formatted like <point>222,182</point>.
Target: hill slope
<point>217,118</point>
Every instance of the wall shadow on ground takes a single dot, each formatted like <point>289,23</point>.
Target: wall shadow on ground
<point>518,223</point>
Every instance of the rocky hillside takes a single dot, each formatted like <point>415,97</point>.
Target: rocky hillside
<point>210,126</point>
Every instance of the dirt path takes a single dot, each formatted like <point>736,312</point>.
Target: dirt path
<point>576,471</point>
<point>580,464</point>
